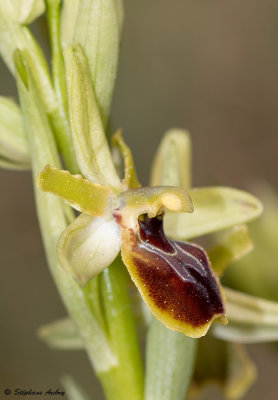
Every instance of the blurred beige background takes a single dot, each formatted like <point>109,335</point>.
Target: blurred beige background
<point>208,66</point>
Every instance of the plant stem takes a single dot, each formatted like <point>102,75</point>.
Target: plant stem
<point>170,360</point>
<point>128,375</point>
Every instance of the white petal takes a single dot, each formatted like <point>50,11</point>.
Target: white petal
<point>88,246</point>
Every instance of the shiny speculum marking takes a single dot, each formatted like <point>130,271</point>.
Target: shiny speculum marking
<point>176,276</point>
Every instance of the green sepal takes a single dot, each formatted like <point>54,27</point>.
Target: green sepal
<point>232,247</point>
<point>172,163</point>
<point>257,273</point>
<point>83,195</point>
<point>215,208</point>
<point>91,148</point>
<point>61,335</point>
<point>251,319</point>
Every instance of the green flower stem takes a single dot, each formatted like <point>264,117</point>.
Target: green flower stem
<point>60,119</point>
<point>127,382</point>
<point>170,360</point>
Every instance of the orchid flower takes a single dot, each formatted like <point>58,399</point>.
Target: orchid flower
<point>174,278</point>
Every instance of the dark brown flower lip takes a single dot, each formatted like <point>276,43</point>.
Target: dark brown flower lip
<point>177,275</point>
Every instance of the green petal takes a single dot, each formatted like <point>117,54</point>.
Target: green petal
<point>225,364</point>
<point>61,335</point>
<point>251,319</point>
<point>80,193</point>
<point>215,208</point>
<point>233,246</point>
<point>130,177</point>
<point>91,148</point>
<point>172,163</point>
<point>88,245</point>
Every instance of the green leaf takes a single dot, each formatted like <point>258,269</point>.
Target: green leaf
<point>73,390</point>
<point>233,246</point>
<point>172,163</point>
<point>14,151</point>
<point>88,246</point>
<point>251,319</point>
<point>61,335</point>
<point>215,208</point>
<point>92,151</point>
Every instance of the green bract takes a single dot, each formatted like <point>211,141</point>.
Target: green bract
<point>14,152</point>
<point>24,11</point>
<point>96,26</point>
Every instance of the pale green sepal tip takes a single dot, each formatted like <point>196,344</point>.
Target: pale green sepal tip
<point>251,319</point>
<point>172,163</point>
<point>88,245</point>
<point>215,208</point>
<point>61,335</point>
<point>232,247</point>
<point>83,195</point>
<point>73,389</point>
<point>90,144</point>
